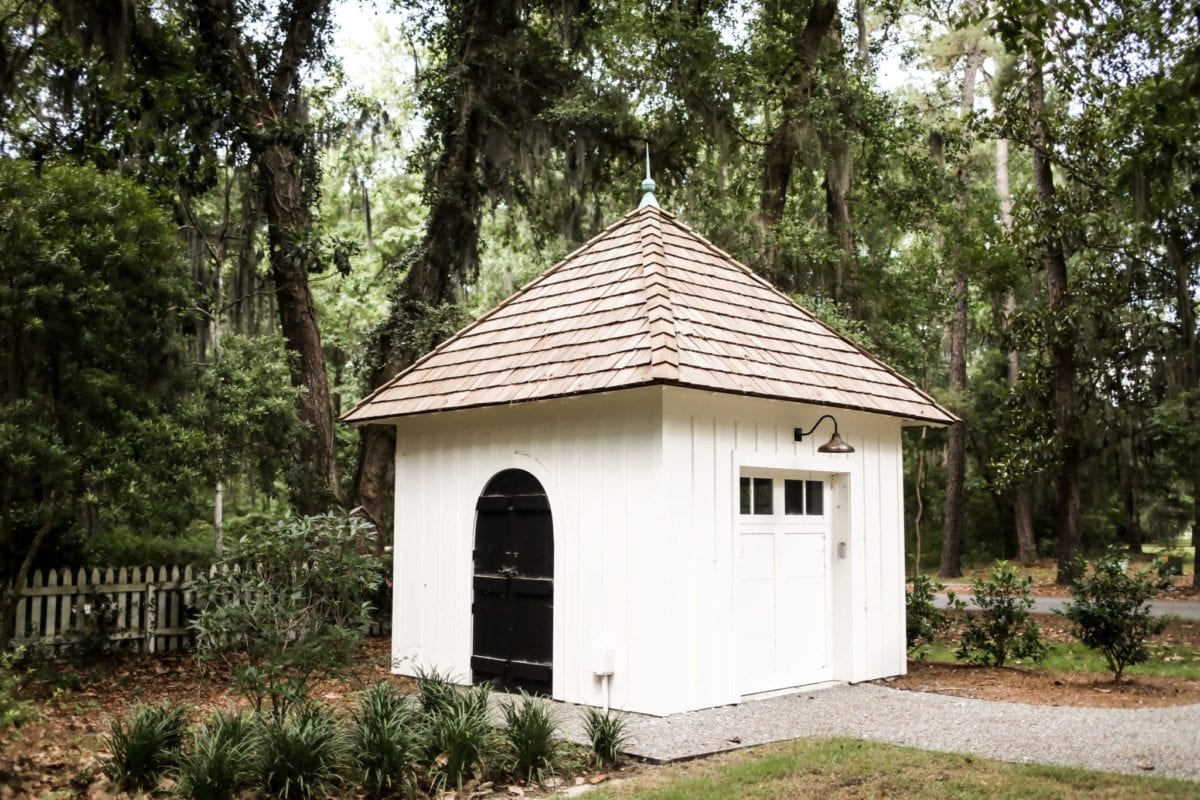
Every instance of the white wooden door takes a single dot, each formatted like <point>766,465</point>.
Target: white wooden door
<point>783,593</point>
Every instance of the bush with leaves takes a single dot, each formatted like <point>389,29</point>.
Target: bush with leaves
<point>530,736</point>
<point>1002,629</point>
<point>386,742</point>
<point>144,746</point>
<point>220,759</point>
<point>606,732</point>
<point>924,621</point>
<point>462,741</point>
<point>302,754</point>
<point>1110,610</point>
<point>288,602</point>
<point>14,710</point>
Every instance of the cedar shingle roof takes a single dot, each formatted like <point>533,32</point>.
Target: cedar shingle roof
<point>647,301</point>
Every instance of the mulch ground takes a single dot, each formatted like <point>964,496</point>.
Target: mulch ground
<point>58,753</point>
<point>1021,684</point>
<point>1045,687</point>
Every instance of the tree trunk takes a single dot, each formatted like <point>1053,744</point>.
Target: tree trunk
<point>1177,251</point>
<point>289,218</point>
<point>839,168</point>
<point>10,595</point>
<point>1022,506</point>
<point>779,155</point>
<point>956,448</point>
<point>449,255</point>
<point>1062,348</point>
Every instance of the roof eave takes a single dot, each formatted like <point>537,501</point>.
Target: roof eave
<point>946,418</point>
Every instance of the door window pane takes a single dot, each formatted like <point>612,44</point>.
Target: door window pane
<point>745,495</point>
<point>793,497</point>
<point>764,502</point>
<point>815,500</point>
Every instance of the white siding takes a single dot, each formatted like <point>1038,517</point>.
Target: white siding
<point>599,459</point>
<point>707,439</point>
<point>642,489</point>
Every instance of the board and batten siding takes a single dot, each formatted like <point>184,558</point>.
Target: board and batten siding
<point>708,438</point>
<point>642,485</point>
<point>599,458</point>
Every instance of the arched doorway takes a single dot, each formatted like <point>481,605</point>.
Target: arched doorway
<point>513,604</point>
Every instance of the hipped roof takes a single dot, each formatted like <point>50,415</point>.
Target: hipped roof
<point>648,301</point>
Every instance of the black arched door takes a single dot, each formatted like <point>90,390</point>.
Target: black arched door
<point>513,605</point>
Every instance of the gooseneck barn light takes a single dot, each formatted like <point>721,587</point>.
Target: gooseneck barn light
<point>835,443</point>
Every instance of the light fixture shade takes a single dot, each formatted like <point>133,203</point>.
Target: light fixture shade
<point>835,445</point>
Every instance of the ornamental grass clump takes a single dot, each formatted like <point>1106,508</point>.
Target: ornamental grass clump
<point>220,759</point>
<point>530,736</point>
<point>144,745</point>
<point>1002,629</point>
<point>435,689</point>
<point>462,741</point>
<point>386,741</point>
<point>302,754</point>
<point>607,735</point>
<point>1110,611</point>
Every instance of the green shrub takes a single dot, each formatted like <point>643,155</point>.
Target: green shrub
<point>1110,611</point>
<point>607,734</point>
<point>301,754</point>
<point>924,621</point>
<point>220,758</point>
<point>1002,628</point>
<point>121,546</point>
<point>462,741</point>
<point>287,603</point>
<point>386,742</point>
<point>530,736</point>
<point>144,746</point>
<point>435,689</point>
<point>14,710</point>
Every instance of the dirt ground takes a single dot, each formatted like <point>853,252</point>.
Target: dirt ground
<point>1019,684</point>
<point>1045,687</point>
<point>59,751</point>
<point>1044,571</point>
<point>57,755</point>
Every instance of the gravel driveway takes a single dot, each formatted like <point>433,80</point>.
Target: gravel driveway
<point>1157,741</point>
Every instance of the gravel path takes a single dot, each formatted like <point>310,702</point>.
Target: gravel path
<point>1157,741</point>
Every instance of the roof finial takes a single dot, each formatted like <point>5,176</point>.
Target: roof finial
<point>648,185</point>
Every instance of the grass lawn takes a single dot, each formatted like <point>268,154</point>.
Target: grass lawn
<point>844,768</point>
<point>1165,661</point>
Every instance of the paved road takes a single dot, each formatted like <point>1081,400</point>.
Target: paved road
<point>1184,609</point>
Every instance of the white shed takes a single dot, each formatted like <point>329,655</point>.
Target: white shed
<point>602,494</point>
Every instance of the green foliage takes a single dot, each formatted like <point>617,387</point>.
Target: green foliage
<point>14,710</point>
<point>247,405</point>
<point>220,758</point>
<point>144,746</point>
<point>461,739</point>
<point>435,689</point>
<point>1002,629</point>
<point>530,736</point>
<point>387,742</point>
<point>92,292</point>
<point>1111,613</point>
<point>286,602</point>
<point>606,733</point>
<point>924,621</point>
<point>302,754</point>
<point>123,546</point>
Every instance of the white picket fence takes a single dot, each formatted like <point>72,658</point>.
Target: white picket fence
<point>147,608</point>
